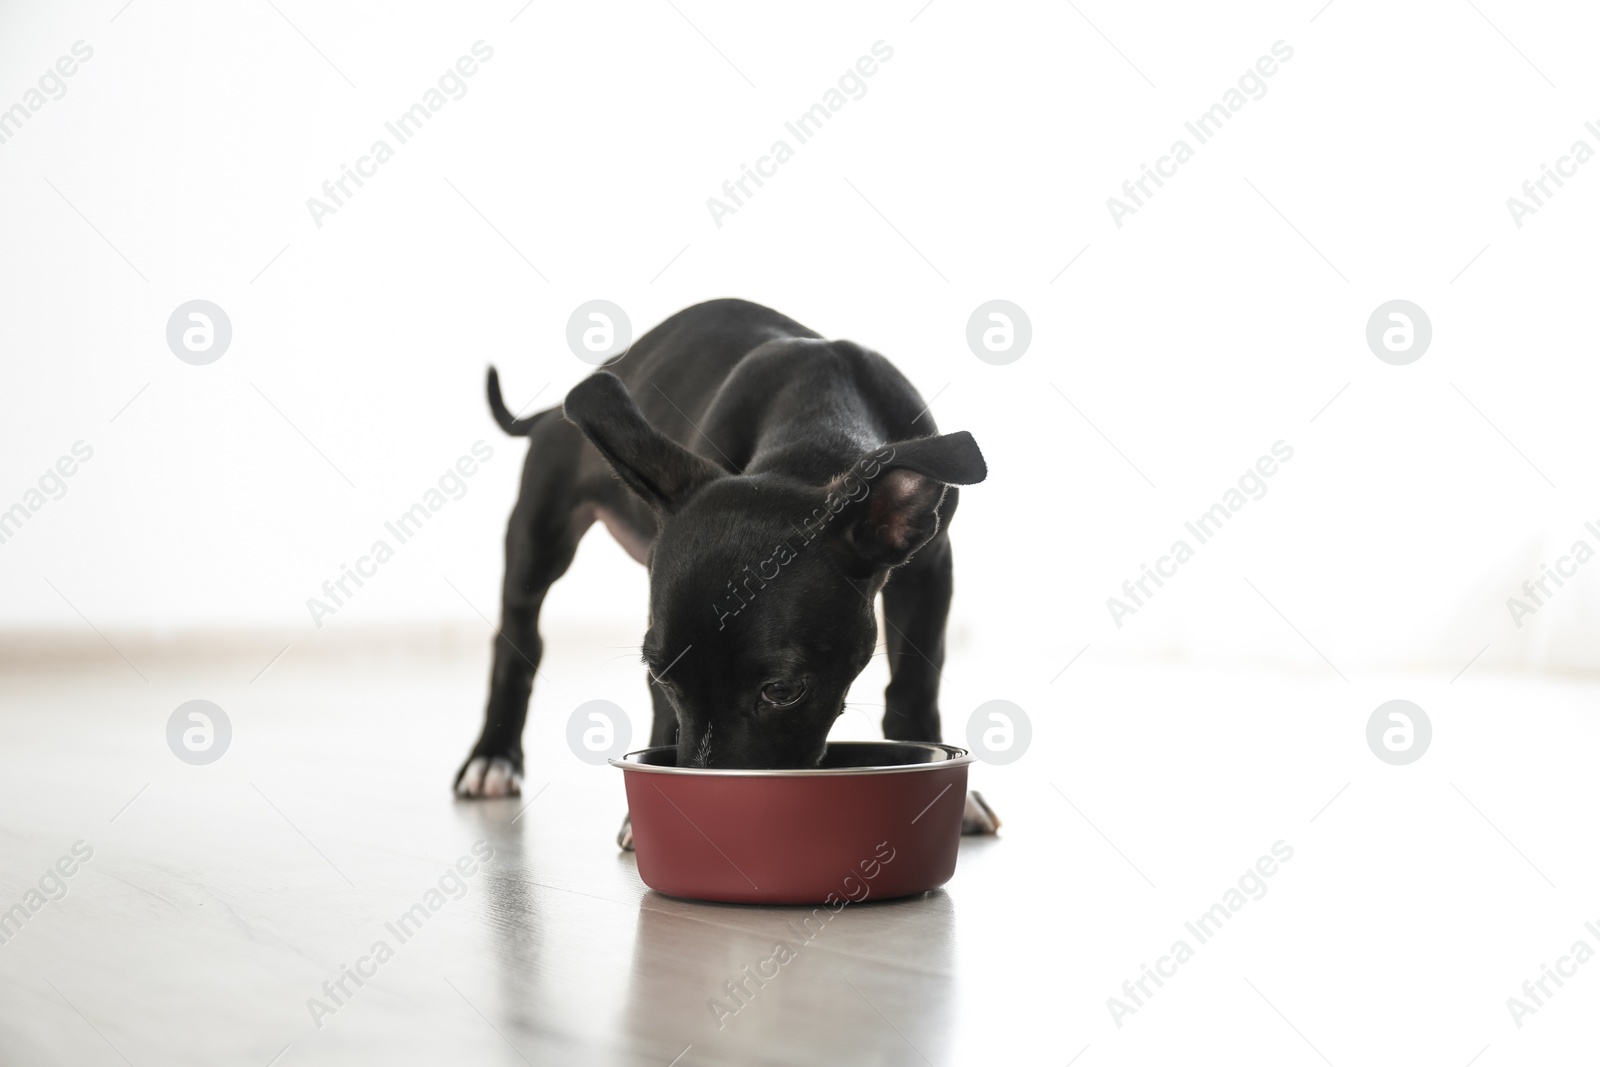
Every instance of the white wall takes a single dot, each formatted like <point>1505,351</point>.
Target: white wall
<point>1194,337</point>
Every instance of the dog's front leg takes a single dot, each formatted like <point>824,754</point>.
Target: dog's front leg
<point>663,731</point>
<point>916,604</point>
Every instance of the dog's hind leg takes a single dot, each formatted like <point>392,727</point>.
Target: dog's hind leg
<point>541,538</point>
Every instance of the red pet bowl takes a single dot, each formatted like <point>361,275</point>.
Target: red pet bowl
<point>874,820</point>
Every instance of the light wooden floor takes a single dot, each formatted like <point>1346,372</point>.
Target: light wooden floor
<point>219,899</point>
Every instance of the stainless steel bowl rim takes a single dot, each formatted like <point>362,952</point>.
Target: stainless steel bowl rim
<point>955,757</point>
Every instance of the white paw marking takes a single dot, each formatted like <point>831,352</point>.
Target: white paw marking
<point>977,817</point>
<point>471,782</point>
<point>489,777</point>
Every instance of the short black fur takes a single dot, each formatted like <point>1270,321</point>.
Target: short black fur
<point>776,483</point>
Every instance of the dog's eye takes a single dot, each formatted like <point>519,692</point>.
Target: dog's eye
<point>782,694</point>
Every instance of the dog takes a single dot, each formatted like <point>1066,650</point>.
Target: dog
<point>775,484</point>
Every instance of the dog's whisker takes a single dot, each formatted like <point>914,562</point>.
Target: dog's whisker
<point>702,755</point>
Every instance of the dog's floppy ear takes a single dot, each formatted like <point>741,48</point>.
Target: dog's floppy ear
<point>657,468</point>
<point>904,485</point>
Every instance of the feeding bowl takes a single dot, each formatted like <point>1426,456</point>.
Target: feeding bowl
<point>874,820</point>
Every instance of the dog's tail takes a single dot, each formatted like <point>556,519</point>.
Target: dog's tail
<point>508,422</point>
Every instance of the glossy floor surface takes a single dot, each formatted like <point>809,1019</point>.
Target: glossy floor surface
<point>211,910</point>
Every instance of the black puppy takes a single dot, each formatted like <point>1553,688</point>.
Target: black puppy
<point>774,483</point>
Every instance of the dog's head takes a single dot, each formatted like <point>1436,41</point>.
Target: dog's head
<point>762,587</point>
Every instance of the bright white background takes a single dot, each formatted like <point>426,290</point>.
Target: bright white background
<point>1195,336</point>
<point>1226,315</point>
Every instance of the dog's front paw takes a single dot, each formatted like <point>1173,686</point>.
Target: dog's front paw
<point>489,776</point>
<point>978,817</point>
<point>625,835</point>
